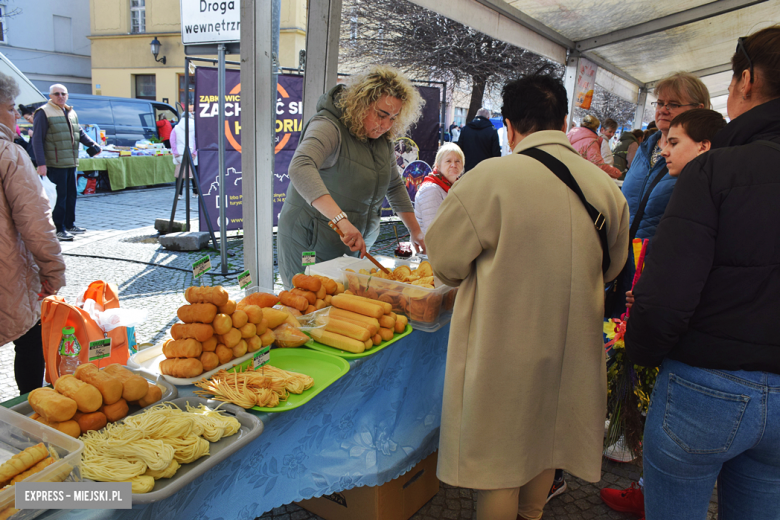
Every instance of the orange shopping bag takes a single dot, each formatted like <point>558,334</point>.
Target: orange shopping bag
<point>57,314</point>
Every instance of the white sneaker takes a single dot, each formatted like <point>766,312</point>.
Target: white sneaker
<point>179,197</point>
<point>619,452</point>
<point>194,195</point>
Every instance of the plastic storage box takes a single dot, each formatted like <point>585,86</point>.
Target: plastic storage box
<point>18,432</point>
<point>428,310</point>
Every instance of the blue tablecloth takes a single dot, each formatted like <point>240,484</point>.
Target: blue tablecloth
<point>371,426</point>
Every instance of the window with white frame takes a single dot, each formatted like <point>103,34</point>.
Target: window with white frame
<point>137,16</point>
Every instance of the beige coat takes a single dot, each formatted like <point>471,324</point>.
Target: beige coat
<point>525,384</point>
<point>29,250</point>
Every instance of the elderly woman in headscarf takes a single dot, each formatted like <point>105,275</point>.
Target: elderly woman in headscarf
<point>30,257</point>
<point>344,167</point>
<point>586,140</point>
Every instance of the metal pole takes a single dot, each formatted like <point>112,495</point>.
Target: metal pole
<point>187,137</point>
<point>639,113</point>
<point>221,138</point>
<point>443,113</point>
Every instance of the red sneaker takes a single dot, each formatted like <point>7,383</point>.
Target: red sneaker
<point>629,500</point>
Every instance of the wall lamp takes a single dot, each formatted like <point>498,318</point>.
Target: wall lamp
<point>156,50</point>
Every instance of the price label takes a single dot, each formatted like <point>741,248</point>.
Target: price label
<point>99,349</point>
<point>309,258</point>
<point>201,266</point>
<point>262,357</point>
<point>244,279</point>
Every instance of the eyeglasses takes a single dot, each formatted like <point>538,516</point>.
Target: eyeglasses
<point>59,93</point>
<point>741,47</point>
<point>671,106</point>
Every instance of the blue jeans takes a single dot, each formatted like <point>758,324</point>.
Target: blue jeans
<point>705,425</point>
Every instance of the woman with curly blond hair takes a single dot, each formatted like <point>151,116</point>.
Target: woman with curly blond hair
<point>344,167</point>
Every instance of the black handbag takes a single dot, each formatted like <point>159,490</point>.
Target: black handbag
<point>615,297</point>
<point>562,172</point>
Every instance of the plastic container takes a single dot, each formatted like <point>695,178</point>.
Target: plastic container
<point>428,310</point>
<point>333,269</point>
<point>17,433</point>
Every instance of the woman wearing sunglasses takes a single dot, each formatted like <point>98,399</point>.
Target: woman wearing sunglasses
<point>706,311</point>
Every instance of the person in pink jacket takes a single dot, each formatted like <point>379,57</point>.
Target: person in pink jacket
<point>587,142</point>
<point>30,255</point>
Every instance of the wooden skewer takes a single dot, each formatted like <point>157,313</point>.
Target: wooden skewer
<point>368,255</point>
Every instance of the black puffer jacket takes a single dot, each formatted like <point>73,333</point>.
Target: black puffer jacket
<point>479,141</point>
<point>710,293</point>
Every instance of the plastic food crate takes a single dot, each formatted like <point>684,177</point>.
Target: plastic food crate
<point>428,310</point>
<point>18,432</point>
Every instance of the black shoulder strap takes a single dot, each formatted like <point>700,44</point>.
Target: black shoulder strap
<point>562,172</point>
<point>640,212</point>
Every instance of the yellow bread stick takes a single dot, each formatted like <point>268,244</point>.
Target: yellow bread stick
<point>364,307</point>
<point>387,322</point>
<point>345,328</point>
<point>335,312</point>
<point>338,341</point>
<point>386,334</point>
<point>386,307</point>
<point>23,461</point>
<point>377,339</point>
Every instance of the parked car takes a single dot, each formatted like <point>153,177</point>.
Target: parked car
<point>125,120</point>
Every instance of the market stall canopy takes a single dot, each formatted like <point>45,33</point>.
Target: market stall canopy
<point>29,93</point>
<point>635,43</point>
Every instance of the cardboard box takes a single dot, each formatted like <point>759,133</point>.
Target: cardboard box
<point>398,499</point>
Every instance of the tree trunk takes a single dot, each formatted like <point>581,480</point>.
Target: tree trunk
<point>477,92</point>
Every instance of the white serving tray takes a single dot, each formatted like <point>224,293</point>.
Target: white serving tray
<point>149,360</point>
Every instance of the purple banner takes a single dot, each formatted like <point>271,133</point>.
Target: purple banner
<point>289,122</point>
<point>288,130</point>
<point>206,136</point>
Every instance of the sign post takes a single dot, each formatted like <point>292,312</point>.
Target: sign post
<point>203,24</point>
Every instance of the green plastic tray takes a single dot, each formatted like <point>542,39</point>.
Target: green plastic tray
<point>324,368</point>
<point>351,355</point>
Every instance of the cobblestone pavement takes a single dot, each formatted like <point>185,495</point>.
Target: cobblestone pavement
<point>121,246</point>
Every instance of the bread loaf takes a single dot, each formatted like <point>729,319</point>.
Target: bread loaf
<point>180,348</point>
<point>153,394</point>
<point>183,368</point>
<point>116,411</point>
<point>51,405</point>
<point>109,387</point>
<point>90,421</point>
<point>134,386</point>
<point>87,397</point>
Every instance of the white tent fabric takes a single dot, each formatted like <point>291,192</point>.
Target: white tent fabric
<point>635,43</point>
<point>29,93</point>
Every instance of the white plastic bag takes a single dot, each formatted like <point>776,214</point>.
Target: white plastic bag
<point>110,319</point>
<point>51,191</point>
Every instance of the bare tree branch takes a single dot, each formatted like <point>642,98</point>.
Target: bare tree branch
<point>428,46</point>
